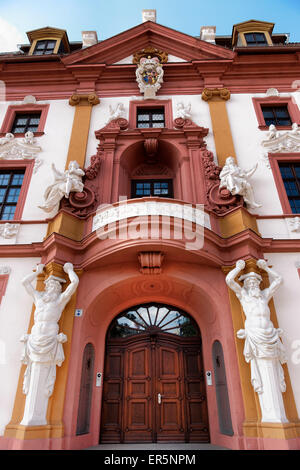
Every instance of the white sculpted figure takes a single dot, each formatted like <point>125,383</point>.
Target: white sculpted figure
<point>64,183</point>
<point>29,138</point>
<point>295,129</point>
<point>294,224</point>
<point>117,112</point>
<point>149,76</point>
<point>236,181</point>
<point>43,349</point>
<point>263,347</point>
<point>8,230</point>
<point>184,111</point>
<point>272,132</point>
<point>8,138</point>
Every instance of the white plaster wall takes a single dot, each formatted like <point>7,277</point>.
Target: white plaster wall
<point>100,115</point>
<point>277,228</point>
<point>247,140</point>
<point>54,144</point>
<point>27,233</point>
<point>31,233</point>
<point>15,311</point>
<point>286,301</point>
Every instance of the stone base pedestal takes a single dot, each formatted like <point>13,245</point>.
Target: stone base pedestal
<point>271,401</point>
<point>38,394</point>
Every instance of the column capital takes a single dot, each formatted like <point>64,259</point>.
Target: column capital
<point>84,100</point>
<point>216,94</point>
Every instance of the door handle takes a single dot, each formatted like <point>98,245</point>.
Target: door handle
<point>159,398</point>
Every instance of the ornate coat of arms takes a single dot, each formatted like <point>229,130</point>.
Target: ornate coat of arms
<point>149,76</point>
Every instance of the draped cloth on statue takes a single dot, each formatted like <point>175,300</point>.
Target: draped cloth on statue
<point>43,349</point>
<point>263,343</point>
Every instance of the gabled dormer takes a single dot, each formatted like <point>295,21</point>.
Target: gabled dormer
<point>48,40</point>
<point>252,33</point>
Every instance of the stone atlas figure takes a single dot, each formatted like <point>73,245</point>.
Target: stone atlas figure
<point>43,349</point>
<point>263,347</point>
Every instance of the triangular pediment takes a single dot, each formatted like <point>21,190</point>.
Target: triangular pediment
<point>119,48</point>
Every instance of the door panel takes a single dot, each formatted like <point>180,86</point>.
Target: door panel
<point>154,390</point>
<point>138,391</point>
<point>195,395</point>
<point>111,423</point>
<point>169,410</point>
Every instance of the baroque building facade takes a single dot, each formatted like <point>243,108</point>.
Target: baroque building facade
<point>150,224</point>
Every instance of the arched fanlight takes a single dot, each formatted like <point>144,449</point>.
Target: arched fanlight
<point>153,317</point>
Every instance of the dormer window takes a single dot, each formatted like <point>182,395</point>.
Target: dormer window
<point>252,33</point>
<point>256,39</point>
<point>45,47</point>
<point>47,41</point>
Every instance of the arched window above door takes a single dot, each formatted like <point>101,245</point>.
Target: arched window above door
<point>153,317</point>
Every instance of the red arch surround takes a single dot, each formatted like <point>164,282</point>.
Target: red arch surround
<point>112,291</point>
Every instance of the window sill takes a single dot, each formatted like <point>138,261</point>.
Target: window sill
<point>22,134</point>
<point>278,128</point>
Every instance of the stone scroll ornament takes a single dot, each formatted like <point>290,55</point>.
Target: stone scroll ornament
<point>236,180</point>
<point>263,347</point>
<point>43,349</point>
<point>149,76</point>
<point>63,185</point>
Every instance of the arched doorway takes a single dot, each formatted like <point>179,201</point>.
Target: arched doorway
<point>154,386</point>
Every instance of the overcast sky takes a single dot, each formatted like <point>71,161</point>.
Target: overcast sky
<point>110,17</point>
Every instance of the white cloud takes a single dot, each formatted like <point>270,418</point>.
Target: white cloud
<point>10,36</point>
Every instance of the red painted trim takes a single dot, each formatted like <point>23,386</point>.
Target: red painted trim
<point>91,250</point>
<point>24,108</point>
<point>166,104</point>
<point>274,159</point>
<point>27,222</point>
<point>18,165</point>
<point>275,100</point>
<point>56,80</point>
<point>3,285</point>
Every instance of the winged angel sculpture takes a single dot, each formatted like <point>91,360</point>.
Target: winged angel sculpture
<point>64,183</point>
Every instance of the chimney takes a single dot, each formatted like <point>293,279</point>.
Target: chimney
<point>208,34</point>
<point>89,38</point>
<point>149,15</point>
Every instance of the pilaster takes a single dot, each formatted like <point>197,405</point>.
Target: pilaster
<point>216,99</point>
<point>81,126</point>
<point>64,223</point>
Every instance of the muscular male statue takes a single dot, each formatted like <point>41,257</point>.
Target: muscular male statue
<point>44,344</point>
<point>262,340</point>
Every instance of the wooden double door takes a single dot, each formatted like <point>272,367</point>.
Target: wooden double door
<point>154,390</point>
